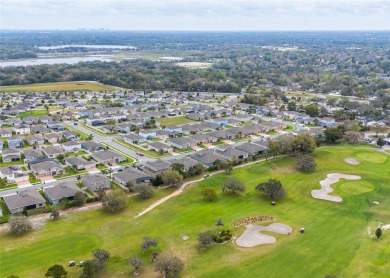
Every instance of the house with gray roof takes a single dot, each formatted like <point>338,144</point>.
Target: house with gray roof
<point>5,132</point>
<point>186,161</point>
<point>70,135</point>
<point>15,142</point>
<point>46,168</point>
<point>13,174</point>
<point>251,148</point>
<point>35,139</point>
<point>157,146</point>
<point>132,138</point>
<point>132,175</point>
<point>230,153</point>
<point>10,155</point>
<point>92,146</point>
<point>79,162</point>
<point>108,156</point>
<point>60,191</point>
<point>32,154</point>
<point>39,129</point>
<point>203,138</point>
<point>52,137</point>
<point>52,151</point>
<point>157,167</point>
<point>182,142</point>
<point>71,146</point>
<point>207,157</point>
<point>24,199</point>
<point>94,182</point>
<point>221,134</point>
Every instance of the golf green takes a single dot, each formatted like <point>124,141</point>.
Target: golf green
<point>372,157</point>
<point>356,187</point>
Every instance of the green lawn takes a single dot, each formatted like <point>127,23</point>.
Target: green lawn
<point>186,150</point>
<point>148,153</point>
<point>219,143</point>
<point>82,152</point>
<point>32,179</point>
<point>3,164</point>
<point>83,136</point>
<point>59,86</point>
<point>335,243</point>
<point>38,112</point>
<point>70,172</point>
<point>93,129</point>
<point>174,121</point>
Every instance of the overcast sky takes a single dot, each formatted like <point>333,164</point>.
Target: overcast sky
<point>196,14</point>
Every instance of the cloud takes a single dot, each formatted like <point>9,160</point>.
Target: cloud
<point>167,13</point>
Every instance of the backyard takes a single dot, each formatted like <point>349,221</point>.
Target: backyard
<point>336,241</point>
<point>174,121</point>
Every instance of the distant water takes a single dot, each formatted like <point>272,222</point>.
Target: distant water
<point>52,61</point>
<point>93,46</point>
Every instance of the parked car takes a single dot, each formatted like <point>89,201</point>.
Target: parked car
<point>72,263</point>
<point>206,176</point>
<point>140,154</point>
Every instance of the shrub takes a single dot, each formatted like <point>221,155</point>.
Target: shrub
<point>20,225</point>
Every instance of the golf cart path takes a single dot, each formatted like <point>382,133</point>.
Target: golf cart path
<point>184,185</point>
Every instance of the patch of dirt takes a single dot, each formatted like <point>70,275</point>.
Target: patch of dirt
<point>352,161</point>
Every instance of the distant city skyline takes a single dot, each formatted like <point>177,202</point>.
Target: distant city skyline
<point>196,15</point>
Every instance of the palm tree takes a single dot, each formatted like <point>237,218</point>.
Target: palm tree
<point>219,223</point>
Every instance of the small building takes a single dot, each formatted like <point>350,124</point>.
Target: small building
<point>92,146</point>
<point>33,154</point>
<point>182,142</point>
<point>60,191</point>
<point>251,148</point>
<point>70,135</point>
<point>15,142</point>
<point>157,167</point>
<point>207,157</point>
<point>13,174</point>
<point>158,146</point>
<point>94,182</point>
<point>71,146</point>
<point>46,168</point>
<point>52,151</point>
<point>147,134</point>
<point>35,139</point>
<point>79,162</point>
<point>108,156</point>
<point>11,155</point>
<point>132,138</point>
<point>24,199</point>
<point>132,175</point>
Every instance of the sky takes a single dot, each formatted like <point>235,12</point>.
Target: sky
<point>196,14</point>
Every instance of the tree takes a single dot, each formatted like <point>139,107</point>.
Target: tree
<point>272,188</point>
<point>13,276</point>
<point>380,142</point>
<point>352,137</point>
<point>205,239</point>
<point>89,270</point>
<point>20,225</point>
<point>148,243</point>
<point>55,215</point>
<point>169,264</point>
<point>304,143</point>
<point>306,163</point>
<point>312,110</point>
<point>78,199</point>
<point>56,271</point>
<point>114,200</point>
<point>137,263</point>
<point>233,184</point>
<point>101,258</point>
<point>157,181</point>
<point>291,106</point>
<point>178,167</point>
<point>172,178</point>
<point>332,135</point>
<point>144,191</point>
<point>209,194</point>
<point>378,233</point>
<point>219,223</point>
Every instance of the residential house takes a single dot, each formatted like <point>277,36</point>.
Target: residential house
<point>108,156</point>
<point>35,140</point>
<point>40,129</point>
<point>24,200</point>
<point>203,138</point>
<point>79,162</point>
<point>158,146</point>
<point>5,133</point>
<point>92,146</point>
<point>207,157</point>
<point>1,144</point>
<point>221,134</point>
<point>326,122</point>
<point>33,154</point>
<point>46,168</point>
<point>157,167</point>
<point>132,138</point>
<point>15,142</point>
<point>230,153</point>
<point>22,129</point>
<point>64,190</point>
<point>71,146</point>
<point>220,122</point>
<point>147,134</point>
<point>173,130</point>
<point>186,161</point>
<point>132,175</point>
<point>52,137</point>
<point>94,182</point>
<point>182,142</point>
<point>84,113</point>
<point>70,135</point>
<point>162,134</point>
<point>13,174</point>
<point>251,148</point>
<point>55,126</point>
<point>10,155</point>
<point>273,126</point>
<point>52,151</point>
<point>30,120</point>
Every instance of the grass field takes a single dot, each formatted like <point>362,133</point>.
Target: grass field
<point>148,153</point>
<point>174,121</point>
<point>59,86</point>
<point>38,112</point>
<point>336,241</point>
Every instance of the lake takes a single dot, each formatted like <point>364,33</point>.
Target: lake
<point>92,46</point>
<point>52,61</point>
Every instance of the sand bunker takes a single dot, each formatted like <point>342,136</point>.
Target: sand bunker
<point>326,189</point>
<point>385,227</point>
<point>253,236</point>
<point>352,161</point>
